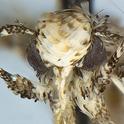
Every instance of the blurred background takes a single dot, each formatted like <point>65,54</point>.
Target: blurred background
<point>114,8</point>
<point>14,110</point>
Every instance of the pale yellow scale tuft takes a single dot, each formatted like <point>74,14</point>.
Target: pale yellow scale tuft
<point>62,35</point>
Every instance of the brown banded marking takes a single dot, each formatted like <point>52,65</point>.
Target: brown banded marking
<point>19,85</point>
<point>13,29</point>
<point>110,65</point>
<point>5,75</point>
<point>49,35</point>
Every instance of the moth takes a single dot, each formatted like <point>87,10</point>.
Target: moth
<point>71,53</point>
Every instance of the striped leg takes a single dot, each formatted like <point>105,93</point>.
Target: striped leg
<point>110,65</point>
<point>19,85</point>
<point>109,36</point>
<point>100,112</point>
<point>106,71</point>
<point>110,40</point>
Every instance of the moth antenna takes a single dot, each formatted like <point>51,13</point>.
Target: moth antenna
<point>15,29</point>
<point>19,85</point>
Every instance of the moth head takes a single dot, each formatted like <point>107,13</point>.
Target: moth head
<point>63,37</point>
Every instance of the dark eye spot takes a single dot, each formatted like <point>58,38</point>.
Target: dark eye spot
<point>96,55</point>
<point>35,60</point>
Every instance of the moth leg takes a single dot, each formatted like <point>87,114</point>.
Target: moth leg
<point>94,107</point>
<point>14,29</point>
<point>109,36</point>
<point>87,99</point>
<point>110,65</point>
<point>110,40</point>
<point>100,112</point>
<point>107,70</point>
<point>22,86</point>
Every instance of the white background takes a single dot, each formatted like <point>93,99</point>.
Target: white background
<point>14,110</point>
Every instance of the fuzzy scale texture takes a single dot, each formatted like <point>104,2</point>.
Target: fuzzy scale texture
<point>68,43</point>
<point>62,35</point>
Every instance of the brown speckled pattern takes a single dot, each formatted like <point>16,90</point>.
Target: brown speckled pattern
<point>74,75</point>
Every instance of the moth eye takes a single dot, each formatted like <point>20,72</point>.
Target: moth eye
<point>35,60</point>
<point>96,55</point>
